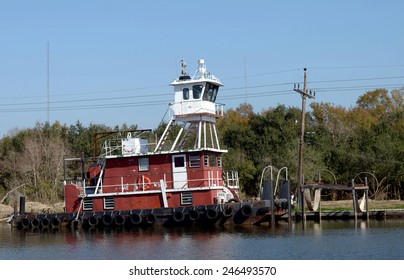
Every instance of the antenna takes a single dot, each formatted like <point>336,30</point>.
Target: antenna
<point>47,79</point>
<point>245,80</point>
<point>201,67</point>
<point>184,67</point>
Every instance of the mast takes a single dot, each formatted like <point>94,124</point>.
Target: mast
<point>47,81</point>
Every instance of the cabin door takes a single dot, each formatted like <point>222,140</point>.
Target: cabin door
<point>180,176</point>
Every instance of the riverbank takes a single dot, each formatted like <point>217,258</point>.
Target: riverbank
<point>32,207</point>
<point>373,204</point>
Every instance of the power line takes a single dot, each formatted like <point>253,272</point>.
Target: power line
<point>100,102</point>
<point>358,79</point>
<point>358,67</point>
<point>161,102</point>
<point>318,68</point>
<point>86,100</point>
<point>260,74</point>
<point>259,86</point>
<point>86,107</point>
<point>85,92</point>
<point>224,89</point>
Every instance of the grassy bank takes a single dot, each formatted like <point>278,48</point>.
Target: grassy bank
<point>372,204</point>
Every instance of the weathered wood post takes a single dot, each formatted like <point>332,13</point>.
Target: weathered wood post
<point>319,208</point>
<point>22,206</point>
<point>354,200</point>
<point>367,201</point>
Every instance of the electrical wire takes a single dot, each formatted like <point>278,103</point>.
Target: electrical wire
<point>105,102</point>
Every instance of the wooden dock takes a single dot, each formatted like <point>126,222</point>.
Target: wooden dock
<point>379,214</point>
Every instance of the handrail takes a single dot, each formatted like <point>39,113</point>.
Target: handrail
<point>122,187</point>
<point>277,177</point>
<point>219,109</point>
<point>232,182</point>
<point>262,177</point>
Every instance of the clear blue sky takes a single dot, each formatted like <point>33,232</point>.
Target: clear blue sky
<point>111,62</point>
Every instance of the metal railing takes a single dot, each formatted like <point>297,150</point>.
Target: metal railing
<point>219,108</point>
<point>210,179</point>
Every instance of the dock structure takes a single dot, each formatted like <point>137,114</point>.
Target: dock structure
<point>314,205</point>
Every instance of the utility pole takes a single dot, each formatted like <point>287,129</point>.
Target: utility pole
<point>304,94</point>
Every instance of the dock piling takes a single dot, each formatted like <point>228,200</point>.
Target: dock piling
<point>22,206</point>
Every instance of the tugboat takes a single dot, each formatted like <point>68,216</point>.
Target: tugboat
<point>175,180</point>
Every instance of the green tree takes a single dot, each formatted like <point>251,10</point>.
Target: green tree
<point>36,162</point>
<point>82,139</point>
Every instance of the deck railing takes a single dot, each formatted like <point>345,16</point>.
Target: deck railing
<point>211,179</point>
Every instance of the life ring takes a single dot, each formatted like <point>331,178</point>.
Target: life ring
<point>145,182</point>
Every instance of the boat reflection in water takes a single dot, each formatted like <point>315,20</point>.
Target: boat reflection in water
<point>326,240</point>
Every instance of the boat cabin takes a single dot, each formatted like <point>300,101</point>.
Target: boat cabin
<point>182,168</point>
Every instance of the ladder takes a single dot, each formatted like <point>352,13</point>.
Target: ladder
<point>99,181</point>
<point>190,130</point>
<point>163,138</point>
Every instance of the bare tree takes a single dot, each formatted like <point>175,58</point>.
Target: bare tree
<point>39,166</point>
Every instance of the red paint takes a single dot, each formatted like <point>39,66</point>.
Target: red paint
<point>123,182</point>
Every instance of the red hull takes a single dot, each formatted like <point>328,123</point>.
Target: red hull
<point>137,200</point>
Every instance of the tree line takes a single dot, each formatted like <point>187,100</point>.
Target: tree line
<point>340,144</point>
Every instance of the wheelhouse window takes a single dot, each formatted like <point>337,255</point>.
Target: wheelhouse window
<point>144,164</point>
<point>197,91</point>
<point>210,92</point>
<point>194,160</point>
<point>185,94</point>
<point>210,160</point>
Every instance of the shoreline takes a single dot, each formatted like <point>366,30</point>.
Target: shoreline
<point>32,207</point>
<point>328,208</point>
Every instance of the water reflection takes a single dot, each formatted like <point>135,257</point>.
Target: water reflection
<point>325,240</point>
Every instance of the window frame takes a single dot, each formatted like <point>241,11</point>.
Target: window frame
<point>185,93</point>
<point>210,92</point>
<point>142,165</point>
<point>194,160</point>
<point>195,90</point>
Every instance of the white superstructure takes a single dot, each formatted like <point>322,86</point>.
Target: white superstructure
<point>195,109</point>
